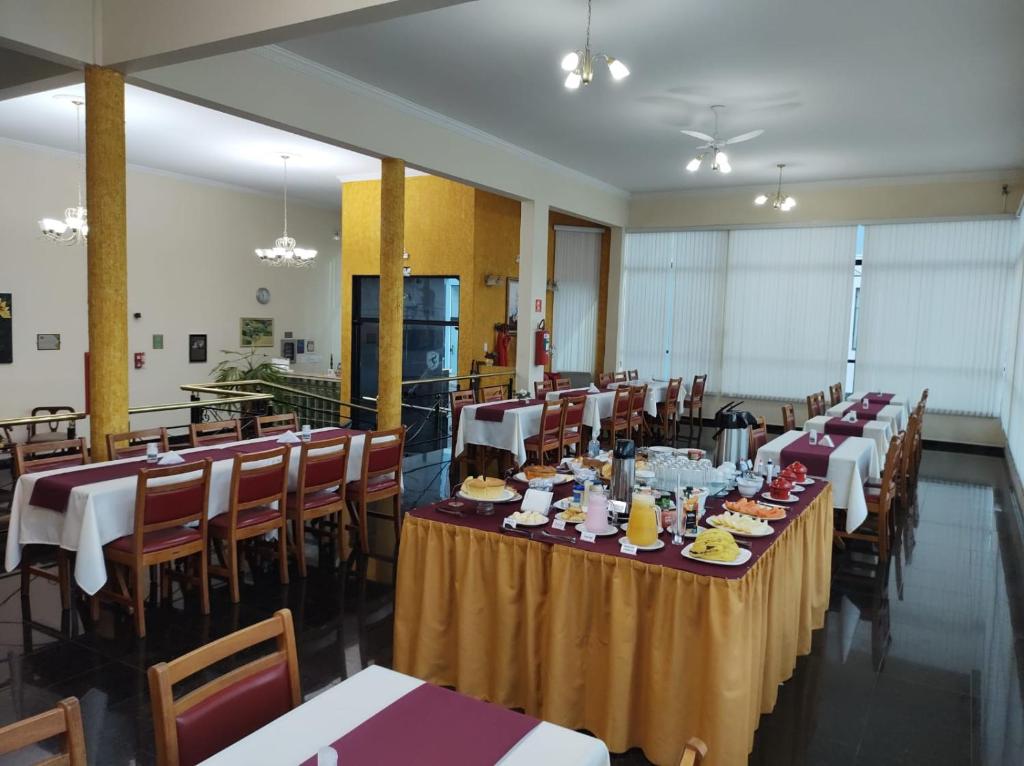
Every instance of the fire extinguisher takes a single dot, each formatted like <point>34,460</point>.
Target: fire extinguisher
<point>541,345</point>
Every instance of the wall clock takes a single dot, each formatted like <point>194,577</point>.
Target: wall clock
<point>263,296</point>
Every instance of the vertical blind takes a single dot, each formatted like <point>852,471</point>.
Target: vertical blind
<point>933,303</point>
<point>644,336</point>
<point>577,270</point>
<point>1013,386</point>
<point>698,302</point>
<point>787,310</point>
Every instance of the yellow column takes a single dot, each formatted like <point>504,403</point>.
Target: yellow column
<point>108,255</point>
<point>392,241</point>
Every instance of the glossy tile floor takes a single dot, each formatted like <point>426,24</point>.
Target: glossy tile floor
<point>918,663</point>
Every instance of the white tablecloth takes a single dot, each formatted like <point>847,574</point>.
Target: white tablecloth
<point>599,406</point>
<point>102,512</point>
<point>879,431</point>
<point>851,464</point>
<point>507,434</point>
<point>898,399</point>
<point>895,413</point>
<point>300,733</point>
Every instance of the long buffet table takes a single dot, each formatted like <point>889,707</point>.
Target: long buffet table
<point>644,650</point>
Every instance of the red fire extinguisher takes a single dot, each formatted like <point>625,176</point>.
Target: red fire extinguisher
<point>541,345</point>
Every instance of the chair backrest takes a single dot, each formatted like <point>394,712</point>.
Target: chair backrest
<point>492,393</point>
<point>134,443</point>
<point>458,400</point>
<point>574,407</point>
<point>46,456</point>
<point>893,459</point>
<point>256,485</point>
<point>215,432</point>
<point>697,390</point>
<point>323,465</point>
<point>788,418</point>
<point>542,387</point>
<point>214,716</point>
<point>562,384</point>
<point>162,502</point>
<point>621,376</point>
<point>604,378</point>
<point>552,415</point>
<point>53,425</point>
<point>694,752</point>
<point>633,375</point>
<point>383,452</point>
<point>272,425</point>
<point>758,437</point>
<point>835,394</point>
<point>910,439</point>
<point>620,403</point>
<point>675,386</point>
<point>637,398</point>
<point>816,404</point>
<point>64,721</point>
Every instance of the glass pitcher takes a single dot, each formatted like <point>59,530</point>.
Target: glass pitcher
<point>642,529</point>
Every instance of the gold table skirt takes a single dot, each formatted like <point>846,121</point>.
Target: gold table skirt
<point>641,655</point>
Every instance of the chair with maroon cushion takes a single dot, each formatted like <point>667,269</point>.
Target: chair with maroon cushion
<point>255,489</point>
<point>167,501</point>
<point>788,418</point>
<point>562,384</point>
<point>816,404</point>
<point>63,721</point>
<point>48,456</point>
<point>542,388</point>
<point>273,425</point>
<point>135,443</point>
<point>215,432</point>
<point>694,405</point>
<point>637,415</point>
<point>621,376</point>
<point>52,432</point>
<point>667,422</point>
<point>548,439</point>
<point>572,424</point>
<point>835,394</point>
<point>467,460</point>
<point>633,375</point>
<point>191,728</point>
<point>380,480</point>
<point>879,526</point>
<point>758,437</point>
<point>320,491</point>
<point>619,420</point>
<point>604,378</point>
<point>492,394</point>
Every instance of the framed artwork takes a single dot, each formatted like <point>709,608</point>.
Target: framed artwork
<point>48,341</point>
<point>256,333</point>
<point>288,349</point>
<point>300,346</point>
<point>310,346</point>
<point>158,342</point>
<point>197,348</point>
<point>6,344</point>
<point>512,303</point>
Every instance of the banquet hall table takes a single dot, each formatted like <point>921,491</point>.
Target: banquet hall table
<point>882,397</point>
<point>643,650</point>
<point>101,511</point>
<point>598,406</point>
<point>854,460</point>
<point>428,727</point>
<point>894,413</point>
<point>879,431</point>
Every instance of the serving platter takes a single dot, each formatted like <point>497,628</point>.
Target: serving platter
<point>507,496</point>
<point>740,560</point>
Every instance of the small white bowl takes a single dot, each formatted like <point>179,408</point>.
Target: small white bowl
<point>748,487</point>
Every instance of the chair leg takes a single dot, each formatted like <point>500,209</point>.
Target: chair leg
<point>138,604</point>
<point>299,540</point>
<point>64,573</point>
<point>700,423</point>
<point>232,567</point>
<point>204,583</point>
<point>282,551</point>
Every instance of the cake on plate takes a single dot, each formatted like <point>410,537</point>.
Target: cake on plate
<point>483,488</point>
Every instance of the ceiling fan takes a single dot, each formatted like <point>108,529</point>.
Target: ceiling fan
<point>719,159</point>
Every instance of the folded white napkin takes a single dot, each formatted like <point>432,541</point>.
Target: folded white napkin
<point>170,458</point>
<point>288,437</point>
<point>592,389</point>
<point>537,500</point>
<point>850,417</point>
<point>826,441</point>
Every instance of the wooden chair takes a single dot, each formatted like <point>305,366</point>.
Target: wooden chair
<point>619,420</point>
<point>214,432</point>
<point>758,437</point>
<point>668,412</point>
<point>163,512</point>
<point>492,394</point>
<point>694,403</point>
<point>52,433</point>
<point>694,752</point>
<point>319,491</point>
<point>604,378</point>
<point>815,404</point>
<point>251,513</point>
<point>468,458</point>
<point>620,376</point>
<point>637,414</point>
<point>273,425</point>
<point>788,418</point>
<point>562,384</point>
<point>571,433</point>
<point>542,387</point>
<point>217,714</point>
<point>907,487</point>
<point>47,456</point>
<point>64,721</point>
<point>380,480</point>
<point>633,375</point>
<point>134,443</point>
<point>835,394</point>
<point>549,438</point>
<point>879,502</point>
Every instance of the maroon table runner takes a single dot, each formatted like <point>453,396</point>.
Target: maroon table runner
<point>814,456</point>
<point>668,556</point>
<point>495,413</point>
<point>431,726</point>
<point>879,397</point>
<point>844,427</point>
<point>576,392</point>
<point>866,413</point>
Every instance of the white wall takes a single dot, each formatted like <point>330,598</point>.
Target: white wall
<point>191,269</point>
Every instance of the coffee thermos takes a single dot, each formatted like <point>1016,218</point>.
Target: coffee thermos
<point>623,470</point>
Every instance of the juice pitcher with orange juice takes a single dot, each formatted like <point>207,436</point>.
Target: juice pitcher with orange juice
<point>642,529</point>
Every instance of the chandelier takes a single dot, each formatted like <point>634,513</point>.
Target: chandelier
<point>284,252</point>
<point>580,63</point>
<point>778,200</point>
<point>74,229</point>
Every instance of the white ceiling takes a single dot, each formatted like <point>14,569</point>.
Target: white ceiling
<point>844,89</point>
<point>176,136</point>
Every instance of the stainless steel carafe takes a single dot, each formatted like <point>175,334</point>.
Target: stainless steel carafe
<point>732,441</point>
<point>623,470</point>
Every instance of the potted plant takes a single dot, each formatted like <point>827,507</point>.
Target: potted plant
<point>247,365</point>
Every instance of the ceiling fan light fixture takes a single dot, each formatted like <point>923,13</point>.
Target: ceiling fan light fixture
<point>778,200</point>
<point>694,165</point>
<point>760,199</point>
<point>618,70</point>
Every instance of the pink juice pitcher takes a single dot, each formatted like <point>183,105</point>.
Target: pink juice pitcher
<point>597,512</point>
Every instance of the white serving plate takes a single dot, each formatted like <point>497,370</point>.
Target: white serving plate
<point>791,499</point>
<point>525,524</point>
<point>558,478</point>
<point>606,532</point>
<point>567,521</point>
<point>657,545</point>
<point>743,558</point>
<point>507,496</point>
<point>767,533</point>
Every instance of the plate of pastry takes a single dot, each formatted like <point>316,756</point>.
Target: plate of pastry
<point>483,488</point>
<point>740,524</point>
<point>716,546</point>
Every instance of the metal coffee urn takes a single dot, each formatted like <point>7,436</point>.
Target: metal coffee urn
<point>623,470</point>
<point>732,440</point>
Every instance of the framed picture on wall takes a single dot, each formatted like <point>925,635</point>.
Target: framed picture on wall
<point>6,318</point>
<point>512,303</point>
<point>256,332</point>
<point>197,348</point>
<point>288,349</point>
<point>48,341</point>
<point>310,347</point>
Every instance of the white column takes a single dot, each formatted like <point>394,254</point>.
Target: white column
<point>533,282</point>
<point>611,335</point>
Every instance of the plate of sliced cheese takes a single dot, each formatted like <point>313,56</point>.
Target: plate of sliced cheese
<point>528,519</point>
<point>740,524</point>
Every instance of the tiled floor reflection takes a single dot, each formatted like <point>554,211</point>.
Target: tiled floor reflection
<point>918,663</point>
